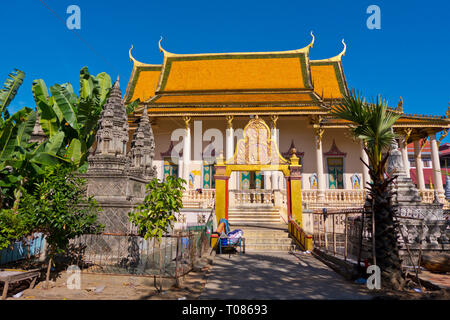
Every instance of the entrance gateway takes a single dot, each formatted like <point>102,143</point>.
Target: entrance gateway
<point>256,151</point>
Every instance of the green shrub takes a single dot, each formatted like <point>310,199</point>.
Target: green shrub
<point>157,214</point>
<point>13,227</point>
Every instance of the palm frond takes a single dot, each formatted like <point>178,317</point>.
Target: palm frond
<point>371,123</point>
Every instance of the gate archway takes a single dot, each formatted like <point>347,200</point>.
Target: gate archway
<point>256,151</point>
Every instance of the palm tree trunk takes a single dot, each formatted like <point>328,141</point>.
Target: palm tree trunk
<point>386,236</point>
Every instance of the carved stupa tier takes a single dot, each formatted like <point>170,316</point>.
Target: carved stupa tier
<point>112,136</point>
<point>143,149</point>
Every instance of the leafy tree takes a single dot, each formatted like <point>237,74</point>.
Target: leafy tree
<point>157,213</point>
<point>59,209</point>
<point>372,123</point>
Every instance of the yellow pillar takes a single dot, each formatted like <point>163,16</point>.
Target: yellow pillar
<point>295,196</point>
<point>296,199</point>
<point>295,189</point>
<point>221,193</point>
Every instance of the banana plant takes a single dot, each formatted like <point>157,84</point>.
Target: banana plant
<point>9,91</point>
<point>76,116</point>
<point>19,159</point>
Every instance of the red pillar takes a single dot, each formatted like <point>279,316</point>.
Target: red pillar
<point>288,195</point>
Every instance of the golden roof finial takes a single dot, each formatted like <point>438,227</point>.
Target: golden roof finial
<point>166,53</point>
<point>447,113</point>
<point>400,105</point>
<point>136,62</point>
<point>129,53</point>
<point>335,58</point>
<point>312,41</point>
<point>343,51</point>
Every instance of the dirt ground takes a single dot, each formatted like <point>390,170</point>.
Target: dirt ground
<point>114,287</point>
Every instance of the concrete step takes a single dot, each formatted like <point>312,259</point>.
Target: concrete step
<point>265,235</point>
<point>260,237</point>
<point>254,218</point>
<point>268,247</point>
<point>252,222</point>
<point>268,241</point>
<point>253,211</point>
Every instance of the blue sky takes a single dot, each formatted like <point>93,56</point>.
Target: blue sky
<point>408,57</point>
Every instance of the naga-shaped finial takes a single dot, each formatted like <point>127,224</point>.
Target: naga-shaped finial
<point>312,41</point>
<point>344,50</point>
<point>159,45</point>
<point>400,105</point>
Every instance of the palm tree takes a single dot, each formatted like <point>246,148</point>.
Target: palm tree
<point>372,123</point>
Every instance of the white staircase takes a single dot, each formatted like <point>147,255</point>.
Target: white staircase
<point>263,228</point>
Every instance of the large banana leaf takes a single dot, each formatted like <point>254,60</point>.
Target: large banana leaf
<point>10,87</point>
<point>63,100</point>
<point>25,128</point>
<point>46,152</point>
<point>74,151</point>
<point>6,149</point>
<point>48,118</point>
<point>15,132</point>
<point>104,82</point>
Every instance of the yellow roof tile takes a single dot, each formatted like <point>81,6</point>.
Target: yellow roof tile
<point>235,72</point>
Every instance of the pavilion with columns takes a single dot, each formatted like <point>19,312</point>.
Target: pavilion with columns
<point>198,105</point>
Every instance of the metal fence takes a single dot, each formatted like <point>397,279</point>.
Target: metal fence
<point>109,253</point>
<point>339,232</point>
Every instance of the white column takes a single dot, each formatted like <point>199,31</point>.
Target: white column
<point>419,166</point>
<point>275,174</point>
<point>366,175</point>
<point>187,152</point>
<point>436,165</point>
<point>404,150</point>
<point>230,153</point>
<point>319,165</point>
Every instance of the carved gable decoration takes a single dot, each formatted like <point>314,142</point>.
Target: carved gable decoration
<point>334,151</point>
<point>256,147</point>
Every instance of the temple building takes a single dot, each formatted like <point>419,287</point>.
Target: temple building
<point>198,105</point>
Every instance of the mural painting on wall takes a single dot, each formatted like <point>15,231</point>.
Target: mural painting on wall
<point>356,181</point>
<point>193,176</point>
<point>313,181</point>
<point>335,173</point>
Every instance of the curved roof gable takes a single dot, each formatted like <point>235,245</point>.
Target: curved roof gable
<point>280,70</point>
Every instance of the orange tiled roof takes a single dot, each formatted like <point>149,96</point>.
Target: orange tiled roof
<point>328,79</point>
<point>234,72</point>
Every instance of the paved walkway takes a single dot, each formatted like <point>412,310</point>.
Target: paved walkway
<point>277,276</point>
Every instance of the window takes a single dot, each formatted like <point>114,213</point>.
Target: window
<point>170,168</point>
<point>335,173</point>
<point>208,175</point>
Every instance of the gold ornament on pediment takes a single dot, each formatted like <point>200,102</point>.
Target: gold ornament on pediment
<point>256,147</point>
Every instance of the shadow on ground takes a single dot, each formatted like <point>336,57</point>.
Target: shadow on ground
<point>277,276</point>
